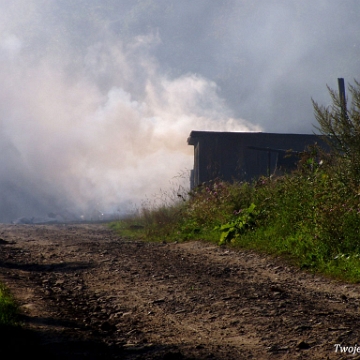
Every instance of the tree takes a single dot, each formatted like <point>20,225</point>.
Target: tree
<point>341,126</point>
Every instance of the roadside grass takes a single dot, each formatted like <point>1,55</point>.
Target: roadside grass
<point>128,228</point>
<point>310,217</point>
<point>8,308</point>
<point>16,339</point>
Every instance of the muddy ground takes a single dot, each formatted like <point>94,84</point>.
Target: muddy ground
<point>86,293</point>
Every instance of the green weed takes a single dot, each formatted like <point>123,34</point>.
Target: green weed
<point>8,308</point>
<point>245,219</point>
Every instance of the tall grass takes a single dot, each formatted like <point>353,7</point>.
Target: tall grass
<point>8,308</point>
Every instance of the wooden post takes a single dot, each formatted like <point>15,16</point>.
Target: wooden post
<point>342,96</point>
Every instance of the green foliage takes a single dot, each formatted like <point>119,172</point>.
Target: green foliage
<point>245,220</point>
<point>341,125</point>
<point>8,308</point>
<point>129,228</point>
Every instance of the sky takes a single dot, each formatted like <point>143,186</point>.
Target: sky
<point>97,98</point>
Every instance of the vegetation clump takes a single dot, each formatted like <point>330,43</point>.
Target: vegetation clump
<point>311,216</point>
<point>8,308</point>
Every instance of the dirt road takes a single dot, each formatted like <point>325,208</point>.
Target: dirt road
<point>88,294</point>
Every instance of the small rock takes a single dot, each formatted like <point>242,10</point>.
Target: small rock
<point>303,345</point>
<point>180,311</point>
<point>106,326</point>
<point>158,301</point>
<point>28,307</point>
<point>277,348</point>
<point>275,288</point>
<point>303,327</point>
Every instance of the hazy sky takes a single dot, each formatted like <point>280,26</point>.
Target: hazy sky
<point>97,98</point>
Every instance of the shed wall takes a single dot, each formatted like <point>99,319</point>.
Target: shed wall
<point>243,156</point>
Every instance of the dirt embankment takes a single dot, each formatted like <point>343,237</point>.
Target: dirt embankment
<point>87,294</point>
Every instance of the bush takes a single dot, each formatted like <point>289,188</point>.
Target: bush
<point>341,126</point>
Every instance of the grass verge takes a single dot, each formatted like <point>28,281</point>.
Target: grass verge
<point>8,308</point>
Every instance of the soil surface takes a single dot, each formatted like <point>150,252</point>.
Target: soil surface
<point>86,293</point>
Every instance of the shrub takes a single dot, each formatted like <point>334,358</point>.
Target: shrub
<point>341,126</point>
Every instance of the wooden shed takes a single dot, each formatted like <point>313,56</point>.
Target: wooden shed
<point>245,156</point>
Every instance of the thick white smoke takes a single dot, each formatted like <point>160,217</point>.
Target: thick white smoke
<point>70,143</point>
